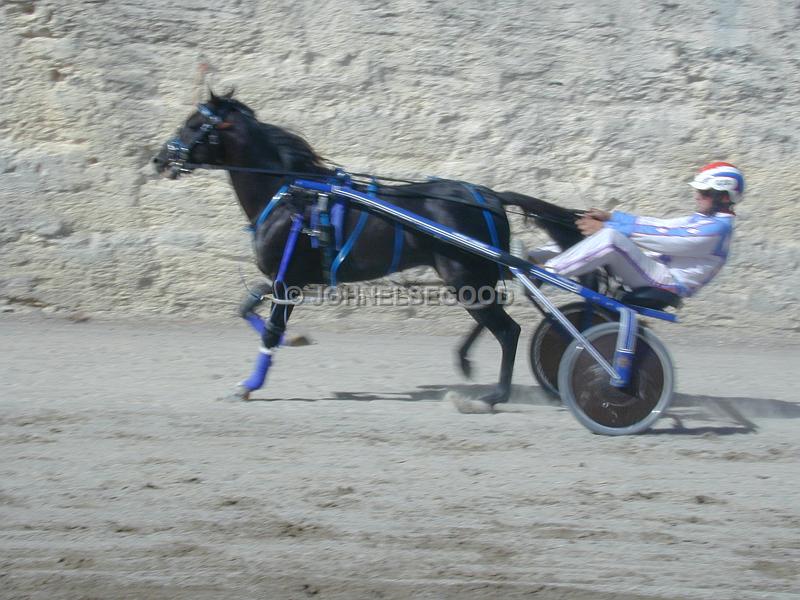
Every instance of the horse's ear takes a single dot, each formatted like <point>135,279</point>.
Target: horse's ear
<point>229,94</point>
<point>212,96</point>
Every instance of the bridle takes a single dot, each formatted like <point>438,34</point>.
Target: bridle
<point>179,153</point>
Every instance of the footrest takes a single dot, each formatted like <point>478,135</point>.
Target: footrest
<point>651,297</point>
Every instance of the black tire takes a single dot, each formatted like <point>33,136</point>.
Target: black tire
<point>550,341</point>
<point>587,391</point>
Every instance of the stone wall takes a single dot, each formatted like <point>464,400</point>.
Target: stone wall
<point>609,104</point>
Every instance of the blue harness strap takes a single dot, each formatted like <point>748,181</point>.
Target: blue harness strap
<point>489,220</point>
<point>337,220</point>
<point>348,246</point>
<point>313,224</point>
<point>268,209</point>
<point>399,235</point>
<point>486,214</point>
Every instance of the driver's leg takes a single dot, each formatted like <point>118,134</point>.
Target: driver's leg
<point>609,248</point>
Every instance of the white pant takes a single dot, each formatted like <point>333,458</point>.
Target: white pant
<point>609,248</point>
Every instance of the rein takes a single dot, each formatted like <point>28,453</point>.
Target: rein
<point>387,190</point>
<point>282,173</point>
<point>178,154</point>
<point>303,175</point>
<point>346,177</point>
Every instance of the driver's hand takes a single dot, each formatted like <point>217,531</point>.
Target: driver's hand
<point>588,225</point>
<point>597,214</point>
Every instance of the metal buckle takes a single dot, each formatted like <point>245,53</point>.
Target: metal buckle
<point>209,114</point>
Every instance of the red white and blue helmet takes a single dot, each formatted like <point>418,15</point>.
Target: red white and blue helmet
<point>720,176</point>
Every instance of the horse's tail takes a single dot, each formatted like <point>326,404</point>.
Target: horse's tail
<point>558,222</point>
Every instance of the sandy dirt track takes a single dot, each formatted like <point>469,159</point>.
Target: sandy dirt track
<point>122,476</point>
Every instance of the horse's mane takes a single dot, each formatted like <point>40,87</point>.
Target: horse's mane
<point>295,153</point>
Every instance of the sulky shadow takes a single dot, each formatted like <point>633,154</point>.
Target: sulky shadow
<point>520,394</point>
<point>705,412</point>
<point>690,414</point>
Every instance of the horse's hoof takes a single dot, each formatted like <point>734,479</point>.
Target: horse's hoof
<point>241,394</point>
<point>297,340</point>
<point>495,398</point>
<point>468,406</point>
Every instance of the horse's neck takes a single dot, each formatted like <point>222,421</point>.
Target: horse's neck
<point>254,191</point>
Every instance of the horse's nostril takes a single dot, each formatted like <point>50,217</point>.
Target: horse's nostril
<point>159,163</point>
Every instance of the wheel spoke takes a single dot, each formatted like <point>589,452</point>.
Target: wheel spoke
<point>603,408</point>
<point>550,340</point>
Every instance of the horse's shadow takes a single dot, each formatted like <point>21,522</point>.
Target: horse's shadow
<point>705,413</point>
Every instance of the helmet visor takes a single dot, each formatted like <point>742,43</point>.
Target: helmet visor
<point>700,185</point>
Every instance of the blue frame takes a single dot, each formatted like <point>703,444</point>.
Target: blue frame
<point>474,246</point>
<point>620,371</point>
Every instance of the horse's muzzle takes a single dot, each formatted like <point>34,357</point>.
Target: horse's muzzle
<point>159,162</point>
<point>171,159</point>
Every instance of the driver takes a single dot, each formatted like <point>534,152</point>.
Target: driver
<point>679,255</point>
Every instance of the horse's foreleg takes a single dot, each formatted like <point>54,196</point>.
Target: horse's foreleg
<point>247,310</point>
<point>271,332</point>
<point>463,350</point>
<point>254,299</point>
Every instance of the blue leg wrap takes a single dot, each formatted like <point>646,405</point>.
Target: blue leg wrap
<point>259,374</point>
<point>256,323</point>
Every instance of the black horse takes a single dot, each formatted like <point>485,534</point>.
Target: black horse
<point>263,158</point>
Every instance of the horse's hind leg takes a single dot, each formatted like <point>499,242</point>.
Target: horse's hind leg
<point>506,331</point>
<point>463,350</point>
<point>466,274</point>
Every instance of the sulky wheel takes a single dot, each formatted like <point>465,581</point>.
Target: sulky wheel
<point>550,340</point>
<point>586,389</point>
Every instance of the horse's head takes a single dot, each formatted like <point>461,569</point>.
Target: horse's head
<point>206,137</point>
